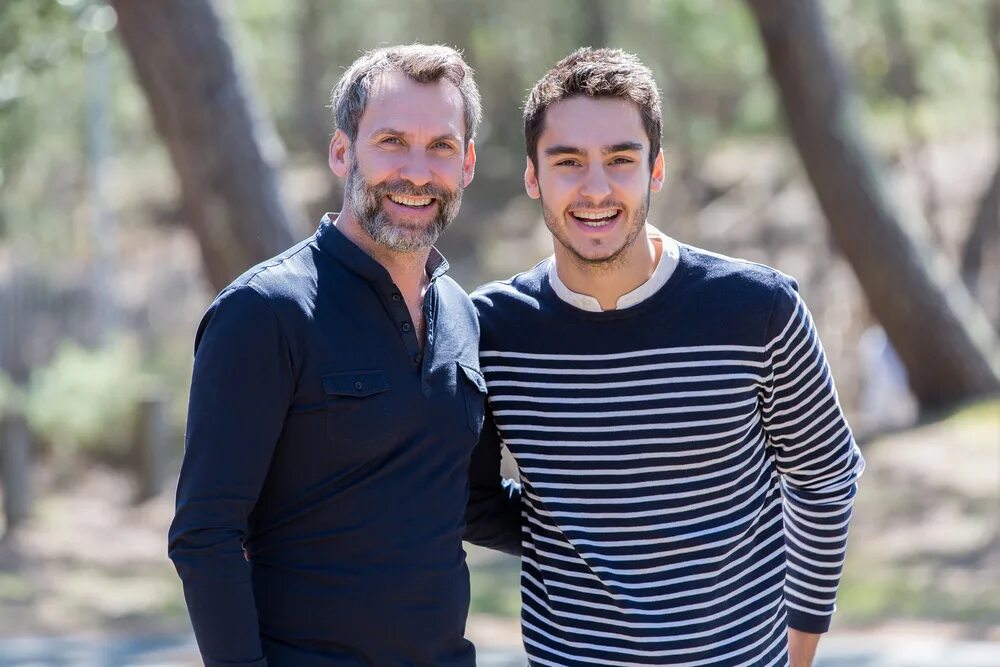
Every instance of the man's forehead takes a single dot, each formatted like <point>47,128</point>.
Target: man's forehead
<point>397,101</point>
<point>593,123</point>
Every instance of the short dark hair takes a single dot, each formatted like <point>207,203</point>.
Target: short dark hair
<point>595,73</point>
<point>421,62</point>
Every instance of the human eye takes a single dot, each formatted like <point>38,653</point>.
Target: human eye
<point>391,141</point>
<point>620,160</point>
<point>568,162</point>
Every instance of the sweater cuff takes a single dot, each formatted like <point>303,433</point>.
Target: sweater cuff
<point>803,622</point>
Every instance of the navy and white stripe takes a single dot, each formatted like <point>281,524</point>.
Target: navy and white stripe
<point>687,474</point>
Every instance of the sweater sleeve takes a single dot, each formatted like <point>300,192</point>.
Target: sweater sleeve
<point>240,392</point>
<point>817,459</point>
<point>493,515</point>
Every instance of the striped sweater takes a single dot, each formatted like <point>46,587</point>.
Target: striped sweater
<point>687,473</point>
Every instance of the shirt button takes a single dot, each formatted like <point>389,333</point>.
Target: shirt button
<point>358,386</point>
<point>406,327</point>
<point>417,358</point>
<point>396,296</point>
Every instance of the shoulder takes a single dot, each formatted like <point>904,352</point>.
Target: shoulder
<point>281,276</point>
<point>454,298</point>
<point>733,279</point>
<point>745,299</point>
<point>522,290</point>
<point>275,289</point>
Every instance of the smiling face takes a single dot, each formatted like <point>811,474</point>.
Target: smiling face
<point>593,178</point>
<point>407,168</point>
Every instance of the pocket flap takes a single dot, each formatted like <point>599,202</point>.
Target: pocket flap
<point>355,383</point>
<point>475,376</point>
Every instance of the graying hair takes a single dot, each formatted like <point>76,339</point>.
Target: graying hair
<point>421,62</point>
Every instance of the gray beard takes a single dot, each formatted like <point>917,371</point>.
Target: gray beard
<point>366,205</point>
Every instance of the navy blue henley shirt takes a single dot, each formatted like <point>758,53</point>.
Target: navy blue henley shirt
<point>321,501</point>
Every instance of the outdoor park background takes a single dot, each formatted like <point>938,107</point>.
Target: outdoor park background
<point>149,153</point>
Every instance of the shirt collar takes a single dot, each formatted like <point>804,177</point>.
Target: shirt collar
<point>334,243</point>
<point>669,258</point>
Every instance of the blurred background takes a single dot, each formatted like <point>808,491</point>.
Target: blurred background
<point>150,152</point>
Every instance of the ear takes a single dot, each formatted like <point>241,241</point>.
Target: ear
<point>469,166</point>
<point>340,154</point>
<point>531,180</point>
<point>658,175</point>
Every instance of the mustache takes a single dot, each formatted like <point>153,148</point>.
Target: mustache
<point>410,190</point>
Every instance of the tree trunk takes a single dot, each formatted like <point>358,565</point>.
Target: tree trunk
<point>595,23</point>
<point>222,151</point>
<point>315,121</point>
<point>984,232</point>
<point>943,338</point>
<point>985,228</point>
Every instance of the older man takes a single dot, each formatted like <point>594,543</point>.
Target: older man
<point>336,401</point>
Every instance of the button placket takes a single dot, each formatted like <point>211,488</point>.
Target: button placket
<point>430,312</point>
<point>396,306</point>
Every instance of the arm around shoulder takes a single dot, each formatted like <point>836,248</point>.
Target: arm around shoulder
<point>493,515</point>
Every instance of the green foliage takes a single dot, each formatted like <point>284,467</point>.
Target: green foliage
<point>85,399</point>
<point>43,89</point>
<point>494,586</point>
<point>918,61</point>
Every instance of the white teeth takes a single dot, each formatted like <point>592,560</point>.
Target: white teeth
<point>411,201</point>
<point>596,215</point>
<point>595,218</point>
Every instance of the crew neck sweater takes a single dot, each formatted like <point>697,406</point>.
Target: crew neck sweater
<point>687,472</point>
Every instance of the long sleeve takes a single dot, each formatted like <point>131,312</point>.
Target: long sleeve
<point>493,515</point>
<point>817,458</point>
<point>240,392</point>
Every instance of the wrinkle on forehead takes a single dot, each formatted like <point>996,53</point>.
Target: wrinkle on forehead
<point>398,101</point>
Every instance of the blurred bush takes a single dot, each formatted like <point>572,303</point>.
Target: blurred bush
<point>84,400</point>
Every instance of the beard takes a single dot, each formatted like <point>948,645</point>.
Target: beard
<point>367,205</point>
<point>611,258</point>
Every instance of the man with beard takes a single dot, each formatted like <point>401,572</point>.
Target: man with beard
<point>336,401</point>
<point>687,474</point>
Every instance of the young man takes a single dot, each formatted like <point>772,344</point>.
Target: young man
<point>336,402</point>
<point>687,473</point>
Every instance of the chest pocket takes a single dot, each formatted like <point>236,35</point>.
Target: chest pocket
<point>355,383</point>
<point>473,388</point>
<point>357,405</point>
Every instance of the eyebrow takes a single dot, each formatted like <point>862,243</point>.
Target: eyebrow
<point>623,147</point>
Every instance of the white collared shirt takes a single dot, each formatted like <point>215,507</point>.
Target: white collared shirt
<point>669,257</point>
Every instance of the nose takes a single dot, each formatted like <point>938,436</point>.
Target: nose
<point>595,184</point>
<point>416,170</point>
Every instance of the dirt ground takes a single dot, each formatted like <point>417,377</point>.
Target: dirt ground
<point>924,554</point>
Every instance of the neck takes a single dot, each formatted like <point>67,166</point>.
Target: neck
<point>407,269</point>
<point>607,282</point>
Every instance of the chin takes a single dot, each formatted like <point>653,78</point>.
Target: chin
<point>597,258</point>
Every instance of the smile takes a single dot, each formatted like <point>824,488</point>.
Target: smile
<point>412,202</point>
<point>596,218</point>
